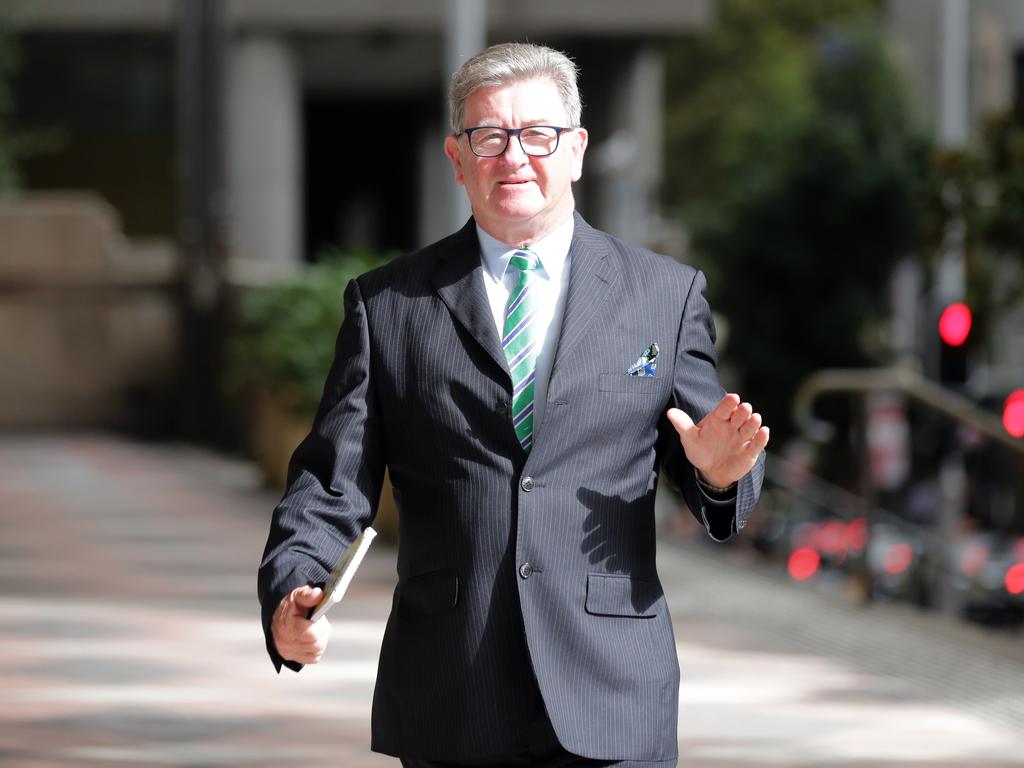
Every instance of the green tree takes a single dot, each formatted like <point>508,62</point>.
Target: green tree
<point>988,192</point>
<point>802,179</point>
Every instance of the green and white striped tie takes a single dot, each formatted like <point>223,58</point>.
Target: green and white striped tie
<point>520,344</point>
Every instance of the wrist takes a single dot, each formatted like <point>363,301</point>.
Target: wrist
<point>712,485</point>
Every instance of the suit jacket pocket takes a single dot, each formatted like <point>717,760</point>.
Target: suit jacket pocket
<point>636,385</point>
<point>428,593</point>
<point>615,595</point>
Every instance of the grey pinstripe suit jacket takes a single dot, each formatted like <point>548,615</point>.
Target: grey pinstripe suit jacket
<point>419,384</point>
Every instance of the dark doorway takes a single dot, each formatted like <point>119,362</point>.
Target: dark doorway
<point>362,173</point>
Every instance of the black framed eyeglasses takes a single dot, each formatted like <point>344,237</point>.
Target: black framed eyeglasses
<point>492,141</point>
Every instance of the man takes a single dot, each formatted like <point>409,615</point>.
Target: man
<point>522,380</point>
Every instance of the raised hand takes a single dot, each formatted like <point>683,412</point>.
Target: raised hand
<point>725,444</point>
<point>296,637</point>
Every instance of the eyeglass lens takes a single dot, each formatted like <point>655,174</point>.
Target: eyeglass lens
<point>538,140</point>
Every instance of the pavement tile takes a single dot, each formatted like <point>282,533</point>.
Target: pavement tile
<point>129,636</point>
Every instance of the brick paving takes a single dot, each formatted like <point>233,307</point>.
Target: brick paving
<point>129,637</point>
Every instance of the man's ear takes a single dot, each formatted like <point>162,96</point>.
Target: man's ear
<point>579,147</point>
<point>451,148</point>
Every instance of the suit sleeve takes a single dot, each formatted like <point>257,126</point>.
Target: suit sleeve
<point>334,477</point>
<point>696,390</point>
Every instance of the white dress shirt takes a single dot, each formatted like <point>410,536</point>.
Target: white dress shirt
<point>551,287</point>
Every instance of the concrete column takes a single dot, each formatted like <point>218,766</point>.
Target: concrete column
<point>629,159</point>
<point>465,34</point>
<point>438,192</point>
<point>954,73</point>
<point>264,152</point>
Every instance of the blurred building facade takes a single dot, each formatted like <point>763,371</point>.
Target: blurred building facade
<point>334,111</point>
<point>333,120</point>
<point>964,61</point>
<point>993,33</point>
<point>333,116</point>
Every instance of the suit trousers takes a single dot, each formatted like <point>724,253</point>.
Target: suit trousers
<point>540,749</point>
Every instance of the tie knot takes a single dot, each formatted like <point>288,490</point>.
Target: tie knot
<point>525,261</point>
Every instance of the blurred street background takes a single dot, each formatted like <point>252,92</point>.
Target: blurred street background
<point>187,185</point>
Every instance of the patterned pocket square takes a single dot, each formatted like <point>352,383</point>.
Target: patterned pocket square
<point>647,365</point>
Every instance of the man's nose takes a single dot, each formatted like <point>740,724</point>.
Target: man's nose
<point>513,154</point>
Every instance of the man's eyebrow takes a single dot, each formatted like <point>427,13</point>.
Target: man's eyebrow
<point>489,123</point>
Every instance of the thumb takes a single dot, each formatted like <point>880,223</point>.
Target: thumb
<point>307,597</point>
<point>680,420</point>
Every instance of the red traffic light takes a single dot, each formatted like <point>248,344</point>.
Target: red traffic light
<point>803,563</point>
<point>955,324</point>
<point>1014,579</point>
<point>1013,413</point>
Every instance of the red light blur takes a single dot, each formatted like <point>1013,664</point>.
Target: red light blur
<point>955,324</point>
<point>803,563</point>
<point>857,534</point>
<point>1015,579</point>
<point>972,561</point>
<point>898,558</point>
<point>832,539</point>
<point>1013,413</point>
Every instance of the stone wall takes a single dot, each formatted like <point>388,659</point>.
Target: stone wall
<point>88,326</point>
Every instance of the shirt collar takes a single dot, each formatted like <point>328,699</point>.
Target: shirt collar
<point>551,250</point>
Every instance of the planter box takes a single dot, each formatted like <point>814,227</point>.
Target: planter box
<point>276,436</point>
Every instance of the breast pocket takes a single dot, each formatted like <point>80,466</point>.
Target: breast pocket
<point>633,385</point>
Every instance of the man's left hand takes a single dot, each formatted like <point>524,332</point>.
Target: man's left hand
<point>725,444</point>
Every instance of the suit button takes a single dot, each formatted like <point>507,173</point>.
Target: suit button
<point>501,408</point>
<point>527,484</point>
<point>526,570</point>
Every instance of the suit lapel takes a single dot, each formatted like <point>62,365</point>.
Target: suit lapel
<point>460,284</point>
<point>592,272</point>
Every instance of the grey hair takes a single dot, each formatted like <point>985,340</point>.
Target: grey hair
<point>511,62</point>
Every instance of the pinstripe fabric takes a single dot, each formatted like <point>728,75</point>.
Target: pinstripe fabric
<point>420,384</point>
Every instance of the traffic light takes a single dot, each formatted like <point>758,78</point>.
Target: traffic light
<point>954,330</point>
<point>955,324</point>
<point>1013,413</point>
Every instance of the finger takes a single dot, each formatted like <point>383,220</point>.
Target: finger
<point>680,420</point>
<point>304,656</point>
<point>757,443</point>
<point>726,406</point>
<point>321,631</point>
<point>320,634</point>
<point>306,634</point>
<point>298,651</point>
<point>740,415</point>
<point>749,428</point>
<point>307,597</point>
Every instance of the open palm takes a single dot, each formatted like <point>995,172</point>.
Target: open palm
<point>725,444</point>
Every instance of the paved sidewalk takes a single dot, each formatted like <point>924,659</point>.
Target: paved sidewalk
<point>129,637</point>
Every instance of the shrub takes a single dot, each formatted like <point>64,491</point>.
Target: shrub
<point>282,340</point>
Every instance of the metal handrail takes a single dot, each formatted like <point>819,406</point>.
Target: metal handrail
<point>834,500</point>
<point>903,380</point>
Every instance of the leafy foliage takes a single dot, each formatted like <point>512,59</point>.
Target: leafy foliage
<point>803,180</point>
<point>283,340</point>
<point>983,188</point>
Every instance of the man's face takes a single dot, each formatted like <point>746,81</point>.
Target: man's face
<point>517,198</point>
